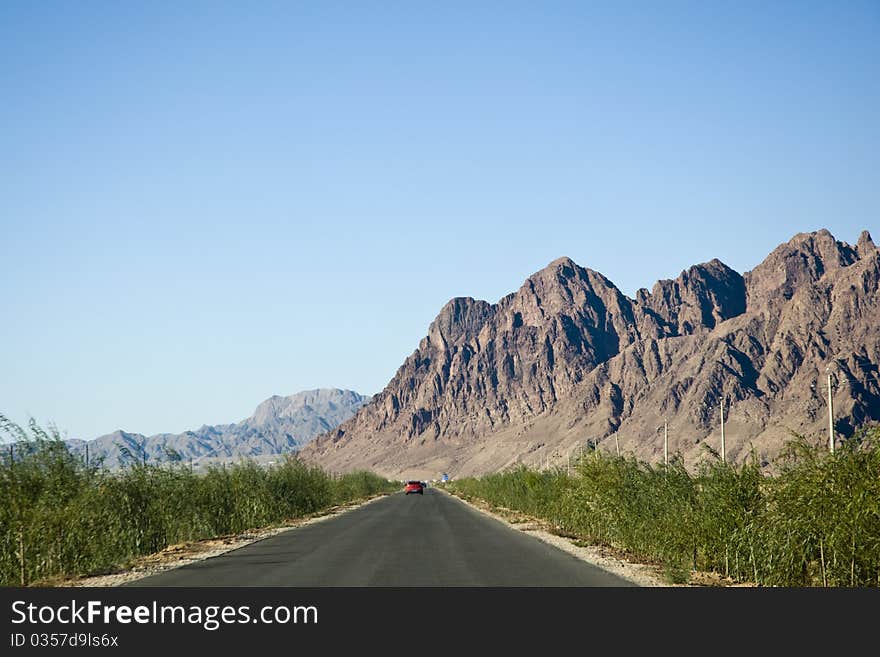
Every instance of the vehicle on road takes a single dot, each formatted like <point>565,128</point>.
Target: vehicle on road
<point>414,487</point>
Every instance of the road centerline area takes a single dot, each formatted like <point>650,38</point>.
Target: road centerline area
<point>401,540</point>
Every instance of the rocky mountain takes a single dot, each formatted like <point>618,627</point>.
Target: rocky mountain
<point>279,425</point>
<point>568,359</point>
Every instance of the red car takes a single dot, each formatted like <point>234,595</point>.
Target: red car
<point>414,487</point>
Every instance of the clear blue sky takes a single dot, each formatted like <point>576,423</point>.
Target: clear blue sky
<point>204,204</point>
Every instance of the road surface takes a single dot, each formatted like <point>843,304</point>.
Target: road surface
<point>400,540</point>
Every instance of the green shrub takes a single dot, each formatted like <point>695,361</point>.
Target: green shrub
<point>61,518</point>
<point>816,523</point>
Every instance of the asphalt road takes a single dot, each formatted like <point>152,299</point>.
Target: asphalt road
<point>400,540</point>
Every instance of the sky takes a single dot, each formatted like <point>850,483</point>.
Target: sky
<point>205,204</point>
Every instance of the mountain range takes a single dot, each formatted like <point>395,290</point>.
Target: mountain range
<point>568,361</point>
<point>278,425</point>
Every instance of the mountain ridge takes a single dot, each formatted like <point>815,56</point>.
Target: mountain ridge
<point>568,358</point>
<point>278,425</point>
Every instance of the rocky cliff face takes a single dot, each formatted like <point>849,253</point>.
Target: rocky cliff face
<point>568,358</point>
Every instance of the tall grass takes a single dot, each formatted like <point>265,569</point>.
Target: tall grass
<point>61,518</point>
<point>817,523</point>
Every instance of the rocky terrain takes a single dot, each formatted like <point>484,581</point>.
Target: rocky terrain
<point>279,425</point>
<point>569,359</point>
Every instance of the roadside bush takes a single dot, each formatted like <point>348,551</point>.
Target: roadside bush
<point>815,524</point>
<point>60,518</point>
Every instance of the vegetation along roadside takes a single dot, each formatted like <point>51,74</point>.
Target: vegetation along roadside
<point>63,518</point>
<point>815,523</point>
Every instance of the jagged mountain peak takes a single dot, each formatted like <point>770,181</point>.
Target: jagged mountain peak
<point>701,297</point>
<point>564,271</point>
<point>319,400</point>
<point>820,244</point>
<point>564,290</point>
<point>562,261</point>
<point>122,434</point>
<point>562,267</point>
<point>865,245</point>
<point>803,260</point>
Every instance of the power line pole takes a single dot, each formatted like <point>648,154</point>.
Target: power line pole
<point>830,416</point>
<point>723,452</point>
<point>665,443</point>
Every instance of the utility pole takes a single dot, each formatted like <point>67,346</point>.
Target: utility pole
<point>87,456</point>
<point>845,380</point>
<point>665,443</point>
<point>830,416</point>
<point>723,454</point>
<point>617,444</point>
